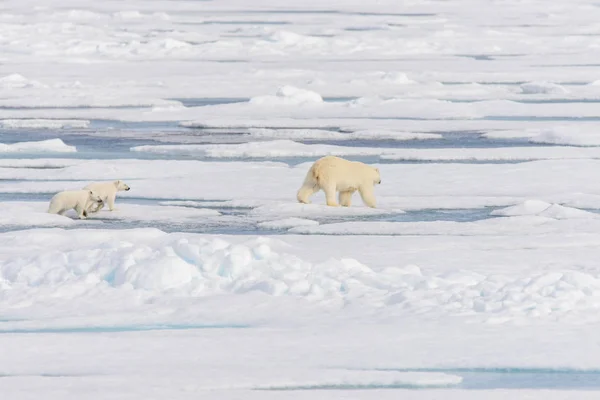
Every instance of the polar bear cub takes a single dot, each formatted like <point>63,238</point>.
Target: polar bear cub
<point>334,174</point>
<point>107,192</point>
<point>80,200</point>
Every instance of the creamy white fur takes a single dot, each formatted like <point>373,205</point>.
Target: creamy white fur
<point>79,200</point>
<point>107,192</point>
<point>334,174</point>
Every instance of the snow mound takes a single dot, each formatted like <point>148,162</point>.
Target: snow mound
<point>567,136</point>
<point>578,135</point>
<point>44,146</point>
<point>543,209</point>
<point>542,88</point>
<point>529,207</point>
<point>136,15</point>
<point>287,223</point>
<point>170,44</point>
<point>289,95</point>
<point>386,134</point>
<point>288,39</point>
<point>16,81</point>
<point>44,123</point>
<point>298,134</point>
<point>23,214</point>
<point>151,265</point>
<point>266,149</point>
<point>397,78</point>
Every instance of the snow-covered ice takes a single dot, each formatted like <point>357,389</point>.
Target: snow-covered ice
<point>287,223</point>
<point>43,123</point>
<point>271,149</point>
<point>580,135</point>
<point>44,146</point>
<point>316,134</point>
<point>288,95</point>
<point>541,208</point>
<point>478,270</point>
<point>542,87</point>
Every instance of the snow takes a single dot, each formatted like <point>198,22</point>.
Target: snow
<point>552,220</point>
<point>308,134</point>
<point>267,149</point>
<point>43,123</point>
<point>14,81</point>
<point>475,277</point>
<point>33,213</point>
<point>289,148</point>
<point>580,135</point>
<point>17,214</point>
<point>393,135</point>
<point>287,223</point>
<point>543,209</point>
<point>568,137</point>
<point>296,209</point>
<point>543,87</point>
<point>140,265</point>
<point>507,154</point>
<point>43,146</point>
<point>288,95</point>
<point>416,186</point>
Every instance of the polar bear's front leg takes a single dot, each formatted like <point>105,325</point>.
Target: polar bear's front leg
<point>98,206</point>
<point>330,195</point>
<point>346,197</point>
<point>110,200</point>
<point>92,208</point>
<point>81,212</point>
<point>306,191</point>
<point>366,193</point>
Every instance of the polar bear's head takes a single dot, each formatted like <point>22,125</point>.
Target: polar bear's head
<point>376,176</point>
<point>121,186</point>
<point>94,197</point>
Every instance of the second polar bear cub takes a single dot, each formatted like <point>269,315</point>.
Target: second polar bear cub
<point>107,192</point>
<point>334,174</point>
<point>80,200</point>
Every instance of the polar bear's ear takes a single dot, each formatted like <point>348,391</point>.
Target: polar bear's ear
<point>90,192</point>
<point>117,183</point>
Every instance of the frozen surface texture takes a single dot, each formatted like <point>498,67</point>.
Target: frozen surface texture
<point>476,277</point>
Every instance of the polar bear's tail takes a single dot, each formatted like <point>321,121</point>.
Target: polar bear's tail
<point>310,185</point>
<point>316,172</point>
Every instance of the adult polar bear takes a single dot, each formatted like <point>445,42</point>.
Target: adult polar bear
<point>80,200</point>
<point>107,192</point>
<point>334,174</point>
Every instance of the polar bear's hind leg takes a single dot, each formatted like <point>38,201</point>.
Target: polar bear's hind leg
<point>307,190</point>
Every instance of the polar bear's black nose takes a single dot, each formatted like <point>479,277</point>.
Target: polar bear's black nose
<point>127,188</point>
<point>379,182</point>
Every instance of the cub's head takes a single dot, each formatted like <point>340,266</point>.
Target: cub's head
<point>121,186</point>
<point>94,197</point>
<point>376,176</point>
